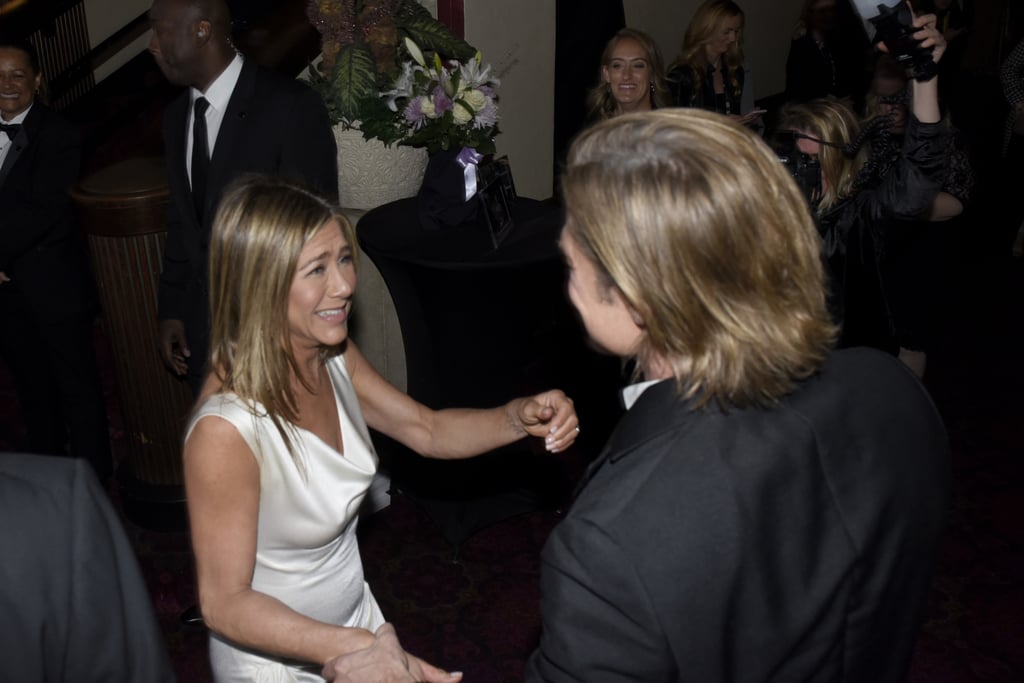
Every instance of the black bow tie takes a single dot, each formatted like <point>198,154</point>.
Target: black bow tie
<point>11,129</point>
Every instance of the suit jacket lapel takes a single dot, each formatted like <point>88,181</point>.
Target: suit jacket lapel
<point>231,134</point>
<point>177,115</point>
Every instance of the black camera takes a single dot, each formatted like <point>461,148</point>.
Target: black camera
<point>805,169</point>
<point>894,26</point>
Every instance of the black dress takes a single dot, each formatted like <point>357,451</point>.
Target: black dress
<point>856,230</point>
<point>685,92</point>
<point>830,68</point>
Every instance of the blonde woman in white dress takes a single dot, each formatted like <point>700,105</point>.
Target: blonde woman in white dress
<point>278,455</point>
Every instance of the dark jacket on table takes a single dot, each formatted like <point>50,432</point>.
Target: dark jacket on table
<point>273,125</point>
<point>74,605</point>
<point>41,250</point>
<point>855,231</point>
<point>787,544</point>
<point>685,92</point>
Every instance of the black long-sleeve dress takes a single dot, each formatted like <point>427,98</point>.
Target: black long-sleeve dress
<point>855,232</point>
<point>685,92</point>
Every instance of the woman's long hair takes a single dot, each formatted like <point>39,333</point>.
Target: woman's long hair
<point>262,224</point>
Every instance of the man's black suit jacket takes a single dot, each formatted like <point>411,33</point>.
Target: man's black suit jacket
<point>791,543</point>
<point>273,125</point>
<point>40,248</point>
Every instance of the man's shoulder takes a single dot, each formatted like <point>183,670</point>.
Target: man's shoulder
<point>264,78</point>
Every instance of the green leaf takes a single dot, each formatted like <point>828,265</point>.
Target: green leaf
<point>431,34</point>
<point>354,80</point>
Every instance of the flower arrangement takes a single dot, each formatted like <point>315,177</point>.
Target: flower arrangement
<point>374,76</point>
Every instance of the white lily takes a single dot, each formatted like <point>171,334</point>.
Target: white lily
<point>474,73</point>
<point>403,85</point>
<point>416,52</point>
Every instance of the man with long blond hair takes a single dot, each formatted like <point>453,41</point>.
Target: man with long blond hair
<point>768,508</point>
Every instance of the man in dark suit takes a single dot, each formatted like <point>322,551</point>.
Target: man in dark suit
<point>253,121</point>
<point>768,508</point>
<point>46,294</point>
<point>74,605</point>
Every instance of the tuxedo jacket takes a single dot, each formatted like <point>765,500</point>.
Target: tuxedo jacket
<point>74,605</point>
<point>273,125</point>
<point>41,249</point>
<point>791,543</point>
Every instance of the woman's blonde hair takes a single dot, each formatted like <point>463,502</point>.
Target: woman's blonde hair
<point>261,225</point>
<point>833,121</point>
<point>601,104</point>
<point>706,236</point>
<point>707,22</point>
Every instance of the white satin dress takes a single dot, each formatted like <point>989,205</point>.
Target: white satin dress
<point>306,550</point>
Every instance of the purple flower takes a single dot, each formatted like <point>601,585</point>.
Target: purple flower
<point>413,113</point>
<point>442,102</point>
<point>486,117</point>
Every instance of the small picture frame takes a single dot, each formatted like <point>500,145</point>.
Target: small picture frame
<point>497,196</point>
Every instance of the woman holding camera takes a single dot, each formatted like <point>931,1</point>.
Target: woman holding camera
<point>862,197</point>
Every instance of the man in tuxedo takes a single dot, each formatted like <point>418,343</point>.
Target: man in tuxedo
<point>74,605</point>
<point>47,302</point>
<point>250,120</point>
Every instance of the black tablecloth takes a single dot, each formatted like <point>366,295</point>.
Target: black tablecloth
<point>480,326</point>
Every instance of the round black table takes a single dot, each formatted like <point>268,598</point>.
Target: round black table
<point>481,325</point>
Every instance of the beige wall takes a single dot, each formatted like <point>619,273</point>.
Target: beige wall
<point>518,39</point>
<point>104,18</point>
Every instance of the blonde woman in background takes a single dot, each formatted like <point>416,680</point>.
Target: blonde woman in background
<point>709,72</point>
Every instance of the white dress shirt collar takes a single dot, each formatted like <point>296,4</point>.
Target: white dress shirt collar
<point>218,94</point>
<point>631,393</point>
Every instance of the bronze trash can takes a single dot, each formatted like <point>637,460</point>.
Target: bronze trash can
<point>123,210</point>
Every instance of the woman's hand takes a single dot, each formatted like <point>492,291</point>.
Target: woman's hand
<point>384,662</point>
<point>927,35</point>
<point>549,415</point>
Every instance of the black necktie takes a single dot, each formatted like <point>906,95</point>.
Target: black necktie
<point>200,155</point>
<point>11,129</point>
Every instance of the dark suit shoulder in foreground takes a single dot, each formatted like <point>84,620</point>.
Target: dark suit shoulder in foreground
<point>73,603</point>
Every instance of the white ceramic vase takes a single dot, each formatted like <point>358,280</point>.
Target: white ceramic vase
<point>370,174</point>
